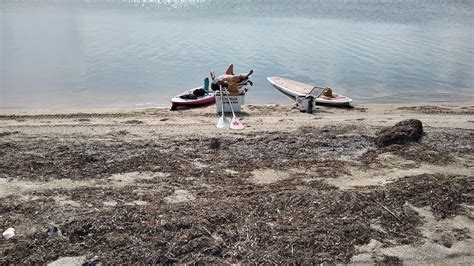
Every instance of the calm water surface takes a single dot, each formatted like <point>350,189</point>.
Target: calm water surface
<point>98,53</point>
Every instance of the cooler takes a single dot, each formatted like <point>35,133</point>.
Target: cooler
<point>236,100</point>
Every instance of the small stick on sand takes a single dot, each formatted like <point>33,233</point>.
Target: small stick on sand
<point>385,208</point>
<point>389,211</point>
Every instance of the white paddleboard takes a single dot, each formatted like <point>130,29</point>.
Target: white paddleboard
<point>295,89</point>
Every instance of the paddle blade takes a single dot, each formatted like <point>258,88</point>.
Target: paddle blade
<point>223,123</point>
<point>236,124</point>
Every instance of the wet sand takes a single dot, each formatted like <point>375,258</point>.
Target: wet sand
<point>150,185</point>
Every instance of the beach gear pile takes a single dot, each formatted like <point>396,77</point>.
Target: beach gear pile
<point>230,91</point>
<point>230,82</point>
<point>232,86</point>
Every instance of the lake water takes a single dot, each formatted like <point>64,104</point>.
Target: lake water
<point>111,53</point>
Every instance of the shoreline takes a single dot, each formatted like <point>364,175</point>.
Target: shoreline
<point>150,185</point>
<point>167,107</point>
<point>276,117</point>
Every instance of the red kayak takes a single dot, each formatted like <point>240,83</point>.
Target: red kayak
<point>190,99</point>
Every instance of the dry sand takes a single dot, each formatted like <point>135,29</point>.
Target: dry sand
<point>150,185</point>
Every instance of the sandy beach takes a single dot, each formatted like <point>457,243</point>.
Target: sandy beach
<point>154,186</point>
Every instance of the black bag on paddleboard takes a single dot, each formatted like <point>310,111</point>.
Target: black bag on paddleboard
<point>188,96</point>
<point>194,95</point>
<point>199,92</point>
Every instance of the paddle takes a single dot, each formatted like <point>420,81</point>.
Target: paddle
<point>235,122</point>
<point>223,121</point>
